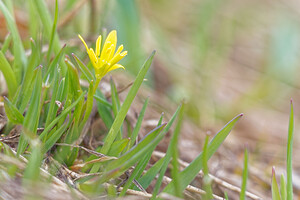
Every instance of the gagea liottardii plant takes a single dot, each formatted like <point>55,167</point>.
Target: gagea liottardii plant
<point>106,60</point>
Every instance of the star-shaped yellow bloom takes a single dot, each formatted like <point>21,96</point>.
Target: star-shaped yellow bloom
<point>106,60</point>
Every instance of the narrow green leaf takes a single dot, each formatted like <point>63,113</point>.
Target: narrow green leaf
<point>115,105</point>
<point>8,74</point>
<point>148,144</point>
<point>139,168</point>
<point>125,107</point>
<point>53,106</point>
<point>28,81</point>
<point>275,189</point>
<point>289,167</point>
<point>6,43</point>
<point>172,147</point>
<point>118,146</point>
<point>190,172</point>
<point>143,163</point>
<point>45,16</point>
<point>12,112</point>
<point>282,187</point>
<point>104,111</point>
<point>31,119</point>
<point>32,171</point>
<point>206,179</point>
<point>87,73</point>
<point>245,176</point>
<point>62,90</point>
<point>55,137</point>
<point>147,178</point>
<point>88,107</point>
<point>54,65</point>
<point>75,88</point>
<point>226,196</point>
<point>63,114</point>
<point>51,43</point>
<point>18,49</point>
<point>150,137</point>
<point>103,101</point>
<point>138,125</point>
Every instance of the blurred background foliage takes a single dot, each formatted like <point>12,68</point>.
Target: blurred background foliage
<point>224,57</point>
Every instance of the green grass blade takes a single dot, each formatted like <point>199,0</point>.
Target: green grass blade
<point>88,107</point>
<point>12,113</point>
<point>226,196</point>
<point>206,179</point>
<point>75,90</point>
<point>289,167</point>
<point>282,187</point>
<point>115,101</point>
<point>138,125</point>
<point>150,137</point>
<point>32,171</point>
<point>9,75</point>
<point>18,49</point>
<point>118,146</point>
<point>55,62</point>
<point>53,31</point>
<point>45,16</point>
<point>125,107</point>
<point>190,172</point>
<point>31,119</point>
<point>175,156</point>
<point>6,43</point>
<point>148,144</point>
<point>27,84</point>
<point>104,111</point>
<point>142,164</point>
<point>52,106</point>
<point>245,176</point>
<point>139,168</point>
<point>63,114</point>
<point>103,101</point>
<point>147,178</point>
<point>55,137</point>
<point>274,186</point>
<point>153,171</point>
<point>172,147</point>
<point>83,68</point>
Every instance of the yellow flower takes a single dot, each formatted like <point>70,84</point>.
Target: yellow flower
<point>106,60</point>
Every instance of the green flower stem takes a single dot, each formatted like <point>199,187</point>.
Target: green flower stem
<point>96,85</point>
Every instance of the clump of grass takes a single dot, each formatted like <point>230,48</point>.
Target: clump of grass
<point>54,110</point>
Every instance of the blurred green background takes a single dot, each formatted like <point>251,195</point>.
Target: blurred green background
<point>223,57</point>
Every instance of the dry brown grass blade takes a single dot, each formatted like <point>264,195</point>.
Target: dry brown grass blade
<point>68,17</point>
<point>131,192</point>
<point>120,90</point>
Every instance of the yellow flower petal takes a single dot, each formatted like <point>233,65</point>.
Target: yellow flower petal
<point>116,66</point>
<point>93,57</point>
<point>120,48</point>
<point>98,46</point>
<point>87,48</point>
<point>110,40</point>
<point>117,58</point>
